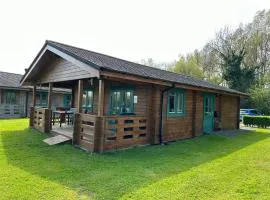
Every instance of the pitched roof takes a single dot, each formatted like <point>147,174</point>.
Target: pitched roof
<point>105,62</point>
<point>11,80</point>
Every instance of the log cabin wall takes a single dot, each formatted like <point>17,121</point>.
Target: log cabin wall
<point>229,112</point>
<point>179,127</point>
<point>199,114</point>
<point>148,106</point>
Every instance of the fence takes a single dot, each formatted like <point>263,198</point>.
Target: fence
<point>12,111</point>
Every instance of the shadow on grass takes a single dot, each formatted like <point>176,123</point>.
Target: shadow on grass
<point>113,175</point>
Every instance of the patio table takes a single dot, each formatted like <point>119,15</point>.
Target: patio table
<point>62,115</point>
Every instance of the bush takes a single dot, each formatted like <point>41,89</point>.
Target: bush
<point>259,121</point>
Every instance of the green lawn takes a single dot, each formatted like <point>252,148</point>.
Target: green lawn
<point>207,167</point>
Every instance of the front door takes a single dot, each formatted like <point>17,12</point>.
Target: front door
<point>208,112</point>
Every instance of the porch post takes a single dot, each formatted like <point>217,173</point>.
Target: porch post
<point>34,93</point>
<point>101,98</point>
<point>49,115</point>
<point>50,96</point>
<point>80,95</point>
<point>99,133</point>
<point>32,109</point>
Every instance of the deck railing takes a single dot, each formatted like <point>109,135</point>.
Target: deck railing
<point>10,111</point>
<point>40,119</point>
<point>86,129</point>
<point>108,133</point>
<point>124,131</point>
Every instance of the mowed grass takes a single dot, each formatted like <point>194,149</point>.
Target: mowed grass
<point>207,167</point>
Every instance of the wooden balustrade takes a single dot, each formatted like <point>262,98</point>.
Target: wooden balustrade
<point>40,119</point>
<point>9,111</point>
<point>85,131</point>
<point>124,131</point>
<point>98,134</point>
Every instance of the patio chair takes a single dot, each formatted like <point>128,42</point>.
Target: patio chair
<point>73,110</point>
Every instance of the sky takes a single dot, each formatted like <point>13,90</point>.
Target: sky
<point>132,30</point>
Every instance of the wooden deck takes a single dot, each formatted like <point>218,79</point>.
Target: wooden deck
<point>66,130</point>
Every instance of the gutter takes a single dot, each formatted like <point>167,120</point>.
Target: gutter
<point>161,132</point>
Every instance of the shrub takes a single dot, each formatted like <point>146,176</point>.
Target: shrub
<point>259,121</point>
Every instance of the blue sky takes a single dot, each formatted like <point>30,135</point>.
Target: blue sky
<point>131,30</point>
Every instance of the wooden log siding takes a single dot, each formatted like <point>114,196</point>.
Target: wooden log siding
<point>124,131</point>
<point>229,112</point>
<point>41,119</point>
<point>179,127</point>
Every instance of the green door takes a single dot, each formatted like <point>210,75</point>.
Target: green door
<point>208,113</point>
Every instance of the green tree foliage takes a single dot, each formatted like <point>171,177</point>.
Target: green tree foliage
<point>260,99</point>
<point>230,47</point>
<point>189,65</point>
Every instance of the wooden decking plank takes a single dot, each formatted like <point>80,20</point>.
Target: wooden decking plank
<point>56,140</point>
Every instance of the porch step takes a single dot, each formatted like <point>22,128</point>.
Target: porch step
<point>56,140</point>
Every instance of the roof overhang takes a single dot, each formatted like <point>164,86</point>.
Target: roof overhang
<point>118,76</point>
<point>47,48</point>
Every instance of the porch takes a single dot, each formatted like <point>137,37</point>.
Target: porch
<point>96,133</point>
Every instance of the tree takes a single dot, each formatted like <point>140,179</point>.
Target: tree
<point>258,51</point>
<point>260,99</point>
<point>230,47</point>
<point>189,65</point>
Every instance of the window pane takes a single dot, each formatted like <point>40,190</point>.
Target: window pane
<point>206,104</point>
<point>127,102</point>
<point>180,103</point>
<point>10,98</point>
<point>84,99</point>
<point>87,101</point>
<point>115,102</point>
<point>171,102</point>
<point>122,102</point>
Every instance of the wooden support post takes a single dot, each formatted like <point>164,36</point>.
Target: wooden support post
<point>49,117</point>
<point>150,116</point>
<point>99,132</point>
<point>80,95</point>
<point>50,95</point>
<point>101,98</point>
<point>34,94</point>
<point>194,112</point>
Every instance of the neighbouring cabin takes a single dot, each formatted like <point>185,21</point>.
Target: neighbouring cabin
<point>16,101</point>
<point>117,104</point>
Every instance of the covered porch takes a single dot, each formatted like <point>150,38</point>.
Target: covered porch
<point>93,125</point>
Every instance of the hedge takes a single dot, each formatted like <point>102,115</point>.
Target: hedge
<point>259,121</point>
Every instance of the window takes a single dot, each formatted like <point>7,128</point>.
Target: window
<point>88,99</point>
<point>67,100</point>
<point>176,102</point>
<point>208,105</point>
<point>42,99</point>
<point>121,101</point>
<point>10,97</point>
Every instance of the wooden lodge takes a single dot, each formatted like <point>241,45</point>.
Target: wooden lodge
<point>121,104</point>
<point>16,100</point>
